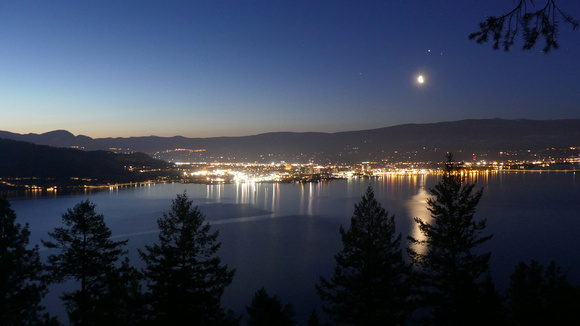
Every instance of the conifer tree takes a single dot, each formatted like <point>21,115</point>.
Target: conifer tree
<point>369,285</point>
<point>313,319</point>
<point>266,310</point>
<point>452,278</point>
<point>87,255</point>
<point>21,289</point>
<point>121,302</point>
<point>541,296</point>
<point>185,277</point>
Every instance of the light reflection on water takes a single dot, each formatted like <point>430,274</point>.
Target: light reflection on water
<point>284,236</point>
<point>417,207</point>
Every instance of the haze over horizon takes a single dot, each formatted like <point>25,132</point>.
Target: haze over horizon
<point>280,131</point>
<point>239,68</point>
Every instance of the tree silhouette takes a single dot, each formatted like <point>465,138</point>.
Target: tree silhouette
<point>121,302</point>
<point>542,297</point>
<point>89,256</point>
<point>452,279</point>
<point>21,289</point>
<point>369,282</point>
<point>184,275</point>
<point>313,319</point>
<point>534,24</point>
<point>266,310</point>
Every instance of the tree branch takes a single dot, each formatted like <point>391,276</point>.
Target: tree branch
<point>542,23</point>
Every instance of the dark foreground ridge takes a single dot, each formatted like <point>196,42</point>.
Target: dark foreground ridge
<point>24,164</point>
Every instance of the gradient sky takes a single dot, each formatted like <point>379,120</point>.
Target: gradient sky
<point>232,68</point>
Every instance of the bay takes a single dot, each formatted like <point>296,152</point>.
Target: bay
<point>284,236</point>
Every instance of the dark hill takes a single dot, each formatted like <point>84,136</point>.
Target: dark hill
<point>404,142</point>
<point>22,160</point>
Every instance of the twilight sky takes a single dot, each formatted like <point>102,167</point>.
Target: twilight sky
<point>230,68</point>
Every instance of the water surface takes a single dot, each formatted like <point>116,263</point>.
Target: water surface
<point>284,236</point>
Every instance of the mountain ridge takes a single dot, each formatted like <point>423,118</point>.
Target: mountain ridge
<point>470,135</point>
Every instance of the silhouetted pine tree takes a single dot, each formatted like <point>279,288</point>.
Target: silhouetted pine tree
<point>89,256</point>
<point>542,297</point>
<point>20,272</point>
<point>122,302</point>
<point>369,286</point>
<point>313,319</point>
<point>453,280</point>
<point>266,310</point>
<point>184,275</point>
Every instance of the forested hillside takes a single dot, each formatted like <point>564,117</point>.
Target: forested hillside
<point>21,162</point>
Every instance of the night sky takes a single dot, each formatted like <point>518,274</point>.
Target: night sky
<point>233,68</point>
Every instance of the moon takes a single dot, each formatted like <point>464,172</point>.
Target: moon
<point>420,79</point>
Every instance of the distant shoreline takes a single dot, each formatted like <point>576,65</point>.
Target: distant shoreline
<point>87,189</point>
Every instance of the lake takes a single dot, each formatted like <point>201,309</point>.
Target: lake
<point>284,236</point>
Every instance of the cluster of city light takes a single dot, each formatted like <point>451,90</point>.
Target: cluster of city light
<point>203,172</point>
<point>242,177</point>
<point>219,175</point>
<point>243,174</point>
<point>401,172</point>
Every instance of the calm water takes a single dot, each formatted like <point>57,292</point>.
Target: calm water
<point>284,236</point>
